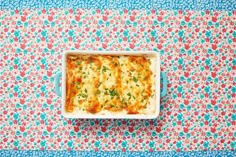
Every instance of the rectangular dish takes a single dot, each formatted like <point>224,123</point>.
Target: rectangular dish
<point>110,84</point>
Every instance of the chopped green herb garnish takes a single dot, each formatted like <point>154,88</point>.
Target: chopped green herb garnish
<point>79,62</point>
<point>129,94</point>
<point>83,95</point>
<point>113,92</point>
<point>98,92</point>
<point>85,90</point>
<point>104,69</point>
<point>123,100</point>
<point>135,79</point>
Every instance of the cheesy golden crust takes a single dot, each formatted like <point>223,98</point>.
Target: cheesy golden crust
<point>95,83</point>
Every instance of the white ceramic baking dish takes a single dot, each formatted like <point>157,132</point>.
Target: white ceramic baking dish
<point>156,70</point>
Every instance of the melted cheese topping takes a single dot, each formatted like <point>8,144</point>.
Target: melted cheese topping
<point>96,84</point>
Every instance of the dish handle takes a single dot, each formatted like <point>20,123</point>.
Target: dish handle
<point>164,88</point>
<point>57,83</point>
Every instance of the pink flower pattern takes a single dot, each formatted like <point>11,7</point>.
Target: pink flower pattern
<point>197,51</point>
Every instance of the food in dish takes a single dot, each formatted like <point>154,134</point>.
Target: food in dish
<point>98,84</point>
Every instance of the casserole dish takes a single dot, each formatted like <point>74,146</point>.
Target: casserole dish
<point>110,84</point>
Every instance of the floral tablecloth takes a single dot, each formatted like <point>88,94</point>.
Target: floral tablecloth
<point>198,53</point>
